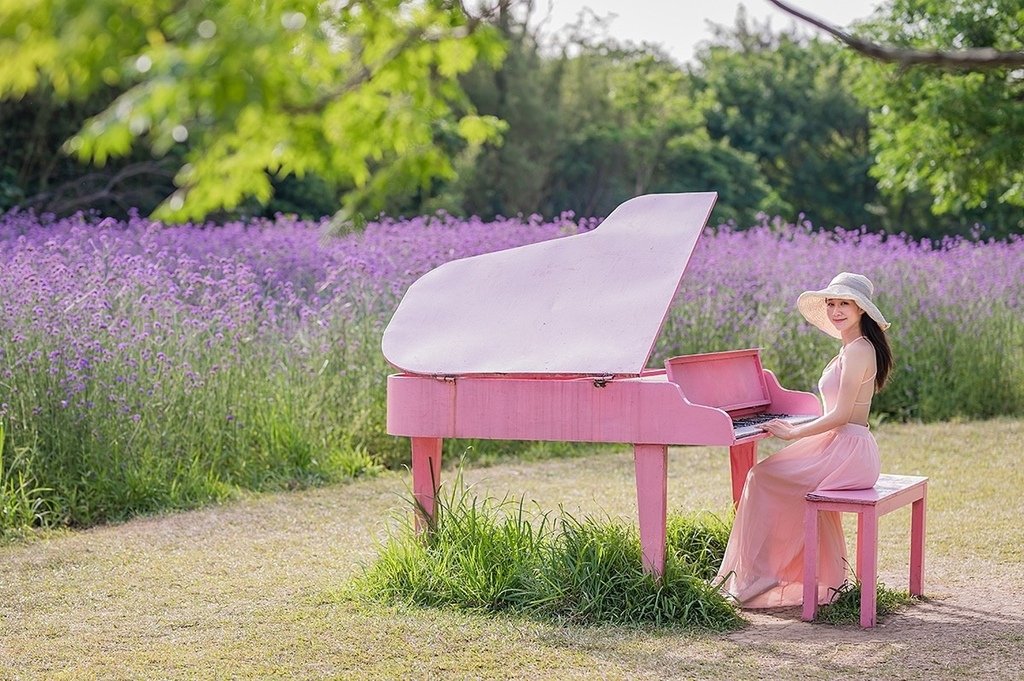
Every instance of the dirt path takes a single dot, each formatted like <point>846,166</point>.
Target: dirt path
<point>249,590</point>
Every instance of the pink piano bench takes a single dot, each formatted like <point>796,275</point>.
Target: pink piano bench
<point>889,493</point>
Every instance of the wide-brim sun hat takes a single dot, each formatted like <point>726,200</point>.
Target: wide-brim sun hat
<point>845,285</point>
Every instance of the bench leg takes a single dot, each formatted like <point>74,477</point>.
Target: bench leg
<point>651,463</point>
<point>867,565</point>
<point>917,528</point>
<point>810,606</point>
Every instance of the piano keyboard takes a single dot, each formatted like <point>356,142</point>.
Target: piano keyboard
<point>745,426</point>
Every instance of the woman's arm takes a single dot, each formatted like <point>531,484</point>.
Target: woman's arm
<point>857,362</point>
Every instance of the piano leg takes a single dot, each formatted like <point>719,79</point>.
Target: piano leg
<point>426,477</point>
<point>652,500</point>
<point>741,458</point>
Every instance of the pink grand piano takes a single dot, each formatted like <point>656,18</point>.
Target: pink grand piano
<point>550,341</point>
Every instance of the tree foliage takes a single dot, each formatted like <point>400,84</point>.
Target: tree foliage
<point>591,124</point>
<point>412,106</point>
<point>357,92</point>
<point>781,98</point>
<point>510,175</point>
<point>955,58</point>
<point>956,134</point>
<point>653,123</point>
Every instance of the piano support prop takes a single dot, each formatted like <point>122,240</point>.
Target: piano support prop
<point>651,463</point>
<point>426,478</point>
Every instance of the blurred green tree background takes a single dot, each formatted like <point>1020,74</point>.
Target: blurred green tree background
<point>228,108</point>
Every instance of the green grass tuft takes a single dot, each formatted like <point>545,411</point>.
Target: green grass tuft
<point>698,539</point>
<point>845,605</point>
<point>493,556</point>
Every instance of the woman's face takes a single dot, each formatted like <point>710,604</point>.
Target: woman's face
<point>843,313</point>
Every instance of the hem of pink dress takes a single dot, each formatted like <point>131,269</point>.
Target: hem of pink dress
<point>788,595</point>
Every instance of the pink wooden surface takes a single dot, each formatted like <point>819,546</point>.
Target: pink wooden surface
<point>729,380</point>
<point>426,475</point>
<point>590,303</point>
<point>646,410</point>
<point>783,401</point>
<point>917,532</point>
<point>867,565</point>
<point>742,458</point>
<point>886,488</point>
<point>651,462</point>
<point>810,597</point>
<point>891,492</point>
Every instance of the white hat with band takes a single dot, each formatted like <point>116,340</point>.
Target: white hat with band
<point>845,285</point>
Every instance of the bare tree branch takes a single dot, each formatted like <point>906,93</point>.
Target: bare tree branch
<point>488,12</point>
<point>87,190</point>
<point>970,58</point>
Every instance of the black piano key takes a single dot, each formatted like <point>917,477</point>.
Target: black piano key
<point>755,419</point>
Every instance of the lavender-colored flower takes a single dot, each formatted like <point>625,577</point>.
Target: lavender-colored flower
<point>198,314</point>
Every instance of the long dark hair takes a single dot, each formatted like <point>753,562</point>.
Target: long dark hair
<point>883,355</point>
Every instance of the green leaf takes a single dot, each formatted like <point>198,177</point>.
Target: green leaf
<point>479,129</point>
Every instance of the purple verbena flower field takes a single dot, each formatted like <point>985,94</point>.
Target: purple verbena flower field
<point>145,367</point>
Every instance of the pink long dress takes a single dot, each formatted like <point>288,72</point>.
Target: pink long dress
<point>764,558</point>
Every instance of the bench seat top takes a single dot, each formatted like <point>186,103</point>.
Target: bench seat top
<point>887,486</point>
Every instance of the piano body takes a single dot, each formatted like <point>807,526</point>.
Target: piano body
<point>550,341</point>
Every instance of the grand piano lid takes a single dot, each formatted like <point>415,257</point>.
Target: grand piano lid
<point>591,303</point>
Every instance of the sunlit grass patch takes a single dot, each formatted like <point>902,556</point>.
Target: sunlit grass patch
<point>254,588</point>
<point>495,555</point>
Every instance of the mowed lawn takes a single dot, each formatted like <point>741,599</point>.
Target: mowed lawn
<point>257,588</point>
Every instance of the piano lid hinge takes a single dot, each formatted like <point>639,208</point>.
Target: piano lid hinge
<point>602,381</point>
<point>444,377</point>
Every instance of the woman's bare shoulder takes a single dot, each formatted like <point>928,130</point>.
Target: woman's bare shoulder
<point>859,354</point>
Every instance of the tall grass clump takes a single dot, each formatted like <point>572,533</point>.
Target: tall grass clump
<point>21,506</point>
<point>698,539</point>
<point>492,556</point>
